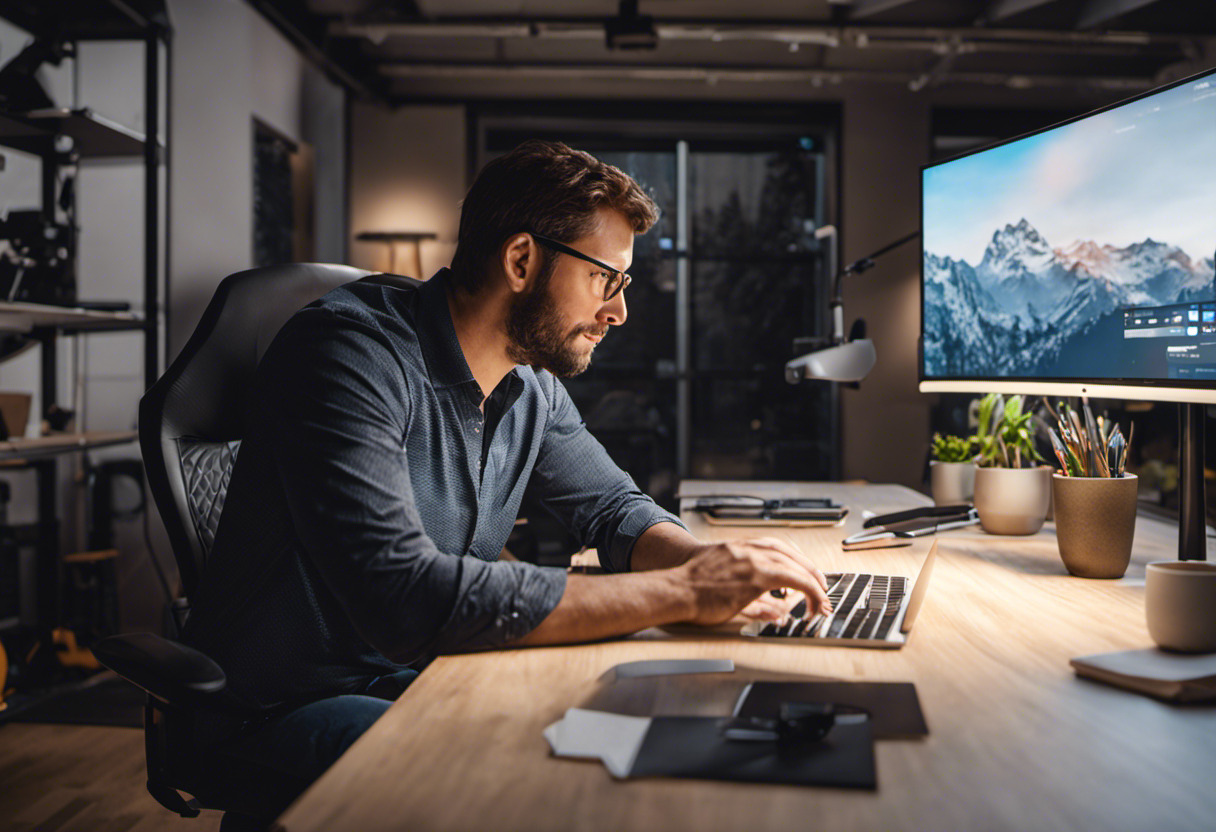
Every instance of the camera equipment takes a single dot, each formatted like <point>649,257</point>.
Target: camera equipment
<point>20,91</point>
<point>39,265</point>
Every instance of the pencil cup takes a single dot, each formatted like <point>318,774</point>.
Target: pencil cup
<point>1095,523</point>
<point>1179,597</point>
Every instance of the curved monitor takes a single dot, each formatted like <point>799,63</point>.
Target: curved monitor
<point>1078,260</point>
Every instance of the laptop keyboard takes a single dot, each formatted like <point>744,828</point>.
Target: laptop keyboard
<point>864,607</point>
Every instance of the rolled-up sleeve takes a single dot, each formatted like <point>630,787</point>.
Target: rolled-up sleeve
<point>337,406</point>
<point>578,482</point>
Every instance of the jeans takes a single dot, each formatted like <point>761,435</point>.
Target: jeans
<point>257,771</point>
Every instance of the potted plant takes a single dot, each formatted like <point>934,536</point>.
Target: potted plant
<point>1095,497</point>
<point>952,470</point>
<point>1012,489</point>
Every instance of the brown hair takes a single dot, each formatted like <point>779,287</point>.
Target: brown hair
<point>543,187</point>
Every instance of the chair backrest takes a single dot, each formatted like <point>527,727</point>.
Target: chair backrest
<point>191,419</point>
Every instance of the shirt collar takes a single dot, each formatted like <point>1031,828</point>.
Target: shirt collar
<point>437,334</point>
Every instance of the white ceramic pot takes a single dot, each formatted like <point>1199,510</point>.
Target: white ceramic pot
<point>1012,500</point>
<point>1179,597</point>
<point>951,482</point>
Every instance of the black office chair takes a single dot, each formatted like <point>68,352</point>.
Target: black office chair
<point>190,429</point>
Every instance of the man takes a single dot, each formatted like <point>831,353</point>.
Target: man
<point>393,434</point>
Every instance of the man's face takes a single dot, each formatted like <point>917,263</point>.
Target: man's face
<point>557,323</point>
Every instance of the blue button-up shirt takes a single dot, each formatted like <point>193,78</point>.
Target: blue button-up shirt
<point>367,507</point>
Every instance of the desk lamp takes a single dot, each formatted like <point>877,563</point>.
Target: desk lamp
<point>851,359</point>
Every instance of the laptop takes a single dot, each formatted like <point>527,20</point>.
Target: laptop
<point>867,611</point>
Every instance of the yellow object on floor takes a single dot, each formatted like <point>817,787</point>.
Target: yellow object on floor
<point>3,677</point>
<point>69,653</point>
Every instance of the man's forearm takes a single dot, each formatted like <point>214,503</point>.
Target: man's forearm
<point>713,583</point>
<point>662,546</point>
<point>603,606</point>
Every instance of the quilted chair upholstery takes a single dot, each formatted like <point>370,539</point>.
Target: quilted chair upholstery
<point>206,469</point>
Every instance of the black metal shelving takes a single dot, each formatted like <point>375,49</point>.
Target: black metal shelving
<point>93,136</point>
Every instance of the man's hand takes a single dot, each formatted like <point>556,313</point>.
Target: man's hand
<point>728,578</point>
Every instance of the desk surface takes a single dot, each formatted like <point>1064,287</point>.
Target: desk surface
<point>1017,740</point>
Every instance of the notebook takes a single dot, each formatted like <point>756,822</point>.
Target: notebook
<point>1174,677</point>
<point>867,611</point>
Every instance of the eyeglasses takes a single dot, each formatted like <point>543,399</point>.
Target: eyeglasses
<point>617,280</point>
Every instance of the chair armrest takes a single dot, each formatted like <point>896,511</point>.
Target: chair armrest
<point>171,672</point>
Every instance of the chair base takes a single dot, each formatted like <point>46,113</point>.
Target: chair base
<point>173,800</point>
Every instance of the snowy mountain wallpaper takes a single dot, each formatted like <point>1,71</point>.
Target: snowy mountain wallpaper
<point>1032,249</point>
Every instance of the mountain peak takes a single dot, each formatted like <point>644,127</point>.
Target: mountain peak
<point>1016,249</point>
<point>1015,234</point>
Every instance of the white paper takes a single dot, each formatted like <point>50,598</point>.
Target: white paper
<point>611,738</point>
<point>668,667</point>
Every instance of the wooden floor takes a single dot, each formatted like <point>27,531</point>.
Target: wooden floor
<point>73,778</point>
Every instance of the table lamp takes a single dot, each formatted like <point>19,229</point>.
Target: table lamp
<point>391,238</point>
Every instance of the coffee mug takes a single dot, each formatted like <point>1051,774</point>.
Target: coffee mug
<point>1180,605</point>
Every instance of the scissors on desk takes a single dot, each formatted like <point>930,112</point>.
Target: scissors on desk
<point>898,529</point>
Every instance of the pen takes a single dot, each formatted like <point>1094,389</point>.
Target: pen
<point>915,514</point>
<point>881,533</point>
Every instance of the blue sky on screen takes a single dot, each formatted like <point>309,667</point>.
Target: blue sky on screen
<point>1144,169</point>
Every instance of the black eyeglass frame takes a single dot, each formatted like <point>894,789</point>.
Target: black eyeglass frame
<point>618,279</point>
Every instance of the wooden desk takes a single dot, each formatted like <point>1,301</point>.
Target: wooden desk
<point>1017,740</point>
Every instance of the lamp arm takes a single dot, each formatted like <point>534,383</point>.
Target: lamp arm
<point>857,267</point>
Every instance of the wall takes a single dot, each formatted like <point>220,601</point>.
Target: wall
<point>230,66</point>
<point>885,423</point>
<point>407,173</point>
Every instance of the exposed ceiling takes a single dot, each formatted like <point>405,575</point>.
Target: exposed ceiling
<point>410,50</point>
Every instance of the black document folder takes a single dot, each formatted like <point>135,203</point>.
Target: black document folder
<point>694,747</point>
<point>894,706</point>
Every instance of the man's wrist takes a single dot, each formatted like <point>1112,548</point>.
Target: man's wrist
<point>662,546</point>
<point>682,591</point>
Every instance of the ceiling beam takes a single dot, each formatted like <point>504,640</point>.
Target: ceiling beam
<point>1001,9</point>
<point>783,31</point>
<point>868,8</point>
<point>494,71</point>
<point>1097,12</point>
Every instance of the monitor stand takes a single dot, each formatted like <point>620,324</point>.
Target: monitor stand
<point>1192,521</point>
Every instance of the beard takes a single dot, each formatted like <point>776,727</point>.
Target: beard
<point>535,334</point>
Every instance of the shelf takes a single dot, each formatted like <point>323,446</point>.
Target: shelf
<point>87,19</point>
<point>395,236</point>
<point>94,136</point>
<point>26,317</point>
<point>14,131</point>
<point>44,446</point>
